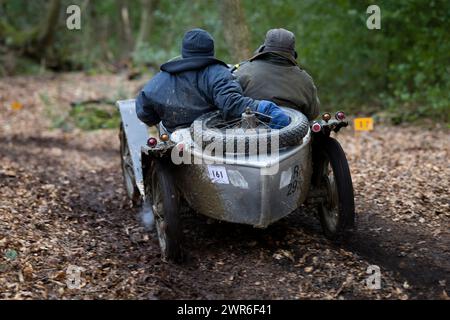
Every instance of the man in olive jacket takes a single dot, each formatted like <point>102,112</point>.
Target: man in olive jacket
<point>273,74</point>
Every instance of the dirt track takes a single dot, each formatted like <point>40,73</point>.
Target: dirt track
<point>62,203</point>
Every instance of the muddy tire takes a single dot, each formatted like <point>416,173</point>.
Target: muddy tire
<point>164,200</point>
<point>290,135</point>
<point>127,169</point>
<point>337,212</point>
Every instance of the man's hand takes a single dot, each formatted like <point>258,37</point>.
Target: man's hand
<point>279,118</point>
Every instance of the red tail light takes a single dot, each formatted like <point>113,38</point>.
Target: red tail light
<point>316,127</point>
<point>340,116</point>
<point>152,142</point>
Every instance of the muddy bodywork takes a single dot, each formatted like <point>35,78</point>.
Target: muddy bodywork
<point>137,136</point>
<point>255,190</point>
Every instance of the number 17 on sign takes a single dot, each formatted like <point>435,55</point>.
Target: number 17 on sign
<point>361,125</point>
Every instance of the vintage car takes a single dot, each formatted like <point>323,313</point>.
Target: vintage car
<point>239,171</point>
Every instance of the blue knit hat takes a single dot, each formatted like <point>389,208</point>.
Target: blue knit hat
<point>197,42</point>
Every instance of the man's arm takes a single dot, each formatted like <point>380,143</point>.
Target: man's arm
<point>145,111</point>
<point>227,94</point>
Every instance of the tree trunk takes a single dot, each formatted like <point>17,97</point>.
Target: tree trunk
<point>126,30</point>
<point>235,29</point>
<point>47,28</point>
<point>146,24</point>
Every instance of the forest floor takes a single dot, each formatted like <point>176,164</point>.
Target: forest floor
<point>62,203</point>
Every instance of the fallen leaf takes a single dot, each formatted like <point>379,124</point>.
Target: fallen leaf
<point>309,269</point>
<point>16,106</point>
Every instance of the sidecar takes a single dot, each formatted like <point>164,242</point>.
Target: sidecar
<point>238,171</point>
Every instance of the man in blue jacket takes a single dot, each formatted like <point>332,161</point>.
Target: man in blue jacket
<point>197,83</point>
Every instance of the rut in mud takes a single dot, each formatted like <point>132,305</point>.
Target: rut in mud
<point>62,203</point>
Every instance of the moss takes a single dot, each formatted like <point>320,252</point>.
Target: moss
<point>92,117</point>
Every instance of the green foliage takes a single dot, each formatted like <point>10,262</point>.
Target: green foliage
<point>92,117</point>
<point>83,116</point>
<point>402,70</point>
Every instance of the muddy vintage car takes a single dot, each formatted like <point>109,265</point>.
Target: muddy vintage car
<point>238,171</point>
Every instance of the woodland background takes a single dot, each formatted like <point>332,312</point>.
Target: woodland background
<point>62,198</point>
<point>401,71</point>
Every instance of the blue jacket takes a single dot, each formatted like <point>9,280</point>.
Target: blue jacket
<point>187,88</point>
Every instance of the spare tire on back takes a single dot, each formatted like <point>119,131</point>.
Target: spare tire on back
<point>239,140</point>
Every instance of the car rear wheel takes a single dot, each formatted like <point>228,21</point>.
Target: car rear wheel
<point>337,210</point>
<point>164,201</point>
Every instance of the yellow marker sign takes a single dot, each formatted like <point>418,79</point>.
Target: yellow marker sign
<point>363,124</point>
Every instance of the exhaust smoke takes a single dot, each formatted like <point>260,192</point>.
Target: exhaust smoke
<point>147,217</point>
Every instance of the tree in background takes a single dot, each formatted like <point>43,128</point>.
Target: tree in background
<point>35,41</point>
<point>235,29</point>
<point>146,23</point>
<point>126,32</point>
<point>401,69</point>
